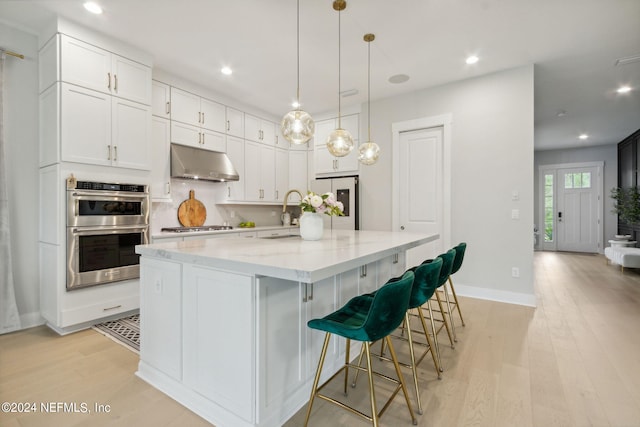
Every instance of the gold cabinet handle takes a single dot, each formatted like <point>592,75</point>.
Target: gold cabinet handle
<point>115,82</point>
<point>109,81</point>
<point>108,152</point>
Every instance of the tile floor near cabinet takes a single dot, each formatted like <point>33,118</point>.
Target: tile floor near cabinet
<point>572,361</point>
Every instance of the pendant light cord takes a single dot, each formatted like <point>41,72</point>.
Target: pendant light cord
<point>369,91</point>
<point>298,50</point>
<point>339,56</point>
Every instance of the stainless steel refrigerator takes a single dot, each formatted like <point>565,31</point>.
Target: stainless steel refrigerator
<point>346,191</point>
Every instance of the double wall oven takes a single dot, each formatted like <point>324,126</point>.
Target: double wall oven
<point>105,221</point>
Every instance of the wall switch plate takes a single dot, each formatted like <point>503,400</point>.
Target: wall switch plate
<point>515,213</point>
<point>515,272</point>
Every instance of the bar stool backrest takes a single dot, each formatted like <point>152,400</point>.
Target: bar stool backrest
<point>457,261</point>
<point>425,282</point>
<point>447,264</point>
<point>388,307</point>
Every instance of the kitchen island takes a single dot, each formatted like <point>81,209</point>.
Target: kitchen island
<point>223,321</point>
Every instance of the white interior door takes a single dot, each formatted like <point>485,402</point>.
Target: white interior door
<point>577,215</point>
<point>421,201</point>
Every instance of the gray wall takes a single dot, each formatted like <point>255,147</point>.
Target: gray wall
<point>492,156</point>
<point>605,153</point>
<point>21,146</point>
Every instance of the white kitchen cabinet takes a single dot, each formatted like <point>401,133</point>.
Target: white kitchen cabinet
<point>99,129</point>
<point>285,308</point>
<point>235,122</point>
<point>193,136</point>
<point>281,174</point>
<point>298,171</point>
<point>235,152</point>
<point>94,68</point>
<point>159,290</point>
<point>194,110</point>
<point>260,130</point>
<point>259,172</point>
<point>206,369</point>
<point>393,266</point>
<point>160,160</point>
<point>325,163</point>
<point>160,99</point>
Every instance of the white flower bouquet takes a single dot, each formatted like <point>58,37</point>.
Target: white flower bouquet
<point>325,203</point>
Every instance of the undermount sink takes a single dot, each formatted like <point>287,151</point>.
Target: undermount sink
<point>280,236</point>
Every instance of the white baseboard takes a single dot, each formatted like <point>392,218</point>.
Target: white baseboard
<point>495,295</point>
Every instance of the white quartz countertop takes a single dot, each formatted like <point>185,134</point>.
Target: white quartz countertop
<point>289,258</point>
<point>169,234</point>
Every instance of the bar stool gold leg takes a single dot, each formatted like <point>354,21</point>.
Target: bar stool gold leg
<point>346,364</point>
<point>413,361</point>
<point>314,388</point>
<point>433,351</point>
<point>444,319</point>
<point>401,379</point>
<point>435,334</point>
<point>446,297</point>
<point>372,396</point>
<point>455,298</point>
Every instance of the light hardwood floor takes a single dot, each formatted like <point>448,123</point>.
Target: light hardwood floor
<point>572,361</point>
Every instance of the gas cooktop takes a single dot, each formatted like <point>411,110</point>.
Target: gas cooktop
<point>201,228</point>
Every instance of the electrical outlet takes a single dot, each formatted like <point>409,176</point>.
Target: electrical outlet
<point>273,213</point>
<point>515,272</point>
<point>232,214</point>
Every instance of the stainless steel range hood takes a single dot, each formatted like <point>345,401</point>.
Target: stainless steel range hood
<point>195,163</point>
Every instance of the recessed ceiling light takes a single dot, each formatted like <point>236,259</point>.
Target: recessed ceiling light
<point>583,136</point>
<point>398,78</point>
<point>472,59</point>
<point>561,113</point>
<point>93,7</point>
<point>226,71</point>
<point>349,92</point>
<point>624,89</point>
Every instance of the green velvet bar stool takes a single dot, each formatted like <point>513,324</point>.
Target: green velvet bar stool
<point>366,319</point>
<point>445,272</point>
<point>457,263</point>
<point>424,286</point>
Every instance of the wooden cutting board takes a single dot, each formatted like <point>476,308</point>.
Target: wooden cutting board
<point>192,212</point>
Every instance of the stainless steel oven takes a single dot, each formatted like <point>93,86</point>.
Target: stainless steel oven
<point>105,221</point>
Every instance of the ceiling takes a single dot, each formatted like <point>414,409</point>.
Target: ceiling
<point>574,45</point>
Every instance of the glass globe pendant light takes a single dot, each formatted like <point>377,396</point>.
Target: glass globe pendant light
<point>368,152</point>
<point>340,142</point>
<point>297,126</point>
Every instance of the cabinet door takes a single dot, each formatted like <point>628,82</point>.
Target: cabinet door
<point>85,65</point>
<point>213,116</point>
<point>131,134</point>
<point>351,124</point>
<point>160,99</point>
<point>160,296</point>
<point>269,136</point>
<point>348,163</point>
<point>185,134</point>
<point>185,107</point>
<point>252,164</point>
<point>252,128</point>
<point>281,341</point>
<point>368,278</point>
<point>324,162</point>
<point>130,80</point>
<point>268,172</point>
<point>282,173</point>
<point>298,171</point>
<point>214,141</point>
<point>216,298</point>
<point>235,152</point>
<point>160,163</point>
<point>235,122</point>
<point>85,125</point>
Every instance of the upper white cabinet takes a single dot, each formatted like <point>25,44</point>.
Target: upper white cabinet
<point>260,130</point>
<point>161,99</point>
<point>94,68</point>
<point>235,122</point>
<point>298,171</point>
<point>194,110</point>
<point>259,172</point>
<point>235,152</point>
<point>327,164</point>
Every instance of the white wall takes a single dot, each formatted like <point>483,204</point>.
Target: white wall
<point>606,153</point>
<point>492,156</point>
<point>21,145</point>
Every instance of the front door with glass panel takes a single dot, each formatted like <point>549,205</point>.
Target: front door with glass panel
<point>577,211</point>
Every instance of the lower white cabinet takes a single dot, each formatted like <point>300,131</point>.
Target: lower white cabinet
<point>160,288</point>
<point>160,159</point>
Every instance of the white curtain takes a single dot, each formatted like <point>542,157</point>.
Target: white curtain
<point>9,317</point>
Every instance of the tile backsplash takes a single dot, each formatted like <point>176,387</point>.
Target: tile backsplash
<point>165,214</point>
